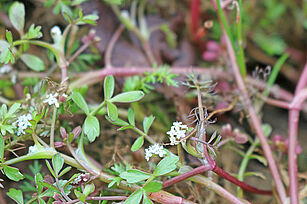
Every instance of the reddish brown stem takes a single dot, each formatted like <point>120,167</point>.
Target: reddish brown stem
<point>293,129</point>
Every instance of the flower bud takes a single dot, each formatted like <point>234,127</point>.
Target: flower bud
<point>59,144</point>
<point>76,131</point>
<point>63,133</point>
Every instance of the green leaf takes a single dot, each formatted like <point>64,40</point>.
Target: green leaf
<point>57,163</point>
<point>267,129</point>
<point>153,186</point>
<point>50,168</point>
<point>147,123</point>
<point>118,122</point>
<point>39,186</point>
<point>33,62</point>
<point>137,143</point>
<point>49,186</point>
<point>134,175</point>
<point>146,200</point>
<point>80,195</point>
<point>259,158</point>
<point>88,19</point>
<point>166,165</point>
<point>109,85</point>
<point>112,111</point>
<point>89,188</point>
<point>79,100</point>
<point>91,128</point>
<point>116,2</point>
<point>13,173</point>
<point>1,147</point>
<point>6,56</point>
<point>16,195</point>
<point>128,97</point>
<point>17,16</point>
<point>131,117</point>
<point>34,32</point>
<point>135,198</point>
<point>13,108</point>
<point>67,169</point>
<point>9,37</point>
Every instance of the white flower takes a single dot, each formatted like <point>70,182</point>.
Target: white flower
<point>177,132</point>
<point>56,31</point>
<point>154,149</point>
<point>23,123</point>
<point>51,99</point>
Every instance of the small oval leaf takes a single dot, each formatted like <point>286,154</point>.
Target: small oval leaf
<point>33,62</point>
<point>128,97</point>
<point>137,143</point>
<point>166,165</point>
<point>109,85</point>
<point>91,128</point>
<point>112,111</point>
<point>79,100</point>
<point>134,175</point>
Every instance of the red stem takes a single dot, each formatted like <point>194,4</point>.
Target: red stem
<point>235,181</point>
<point>293,129</point>
<point>213,167</point>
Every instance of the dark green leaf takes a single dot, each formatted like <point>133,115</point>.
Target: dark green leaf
<point>153,186</point>
<point>147,123</point>
<point>135,198</point>
<point>79,100</point>
<point>134,175</point>
<point>9,37</point>
<point>146,200</point>
<point>57,163</point>
<point>91,128</point>
<point>109,85</point>
<point>13,173</point>
<point>16,195</point>
<point>137,143</point>
<point>128,97</point>
<point>39,186</point>
<point>131,117</point>
<point>17,16</point>
<point>166,165</point>
<point>112,111</point>
<point>33,62</point>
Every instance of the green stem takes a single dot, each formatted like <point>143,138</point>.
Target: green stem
<point>228,32</point>
<point>244,164</point>
<point>52,127</point>
<point>96,110</point>
<point>240,53</point>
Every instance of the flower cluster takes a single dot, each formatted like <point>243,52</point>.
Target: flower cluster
<point>154,149</point>
<point>177,132</point>
<point>23,123</point>
<point>51,99</point>
<point>81,178</point>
